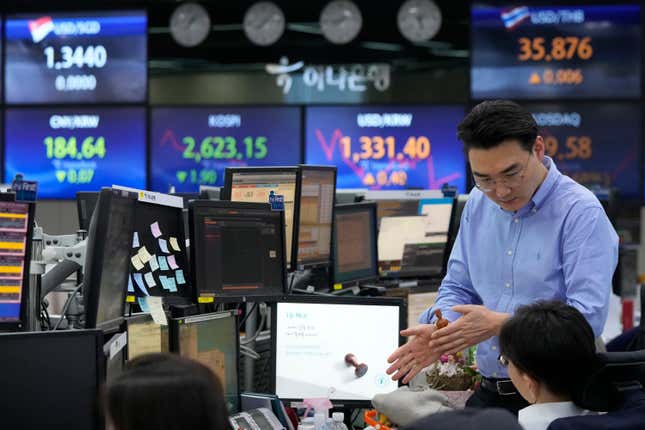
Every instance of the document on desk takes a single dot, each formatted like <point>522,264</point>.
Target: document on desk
<point>398,231</point>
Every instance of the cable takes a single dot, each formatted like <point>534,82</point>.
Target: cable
<point>293,277</point>
<point>67,303</point>
<point>245,350</point>
<point>255,305</point>
<point>257,332</point>
<point>44,317</point>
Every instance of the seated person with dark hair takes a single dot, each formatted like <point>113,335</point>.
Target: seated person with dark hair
<point>549,349</point>
<point>165,392</point>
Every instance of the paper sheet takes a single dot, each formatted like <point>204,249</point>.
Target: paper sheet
<point>136,262</point>
<point>179,275</point>
<point>164,246</point>
<point>174,244</point>
<point>163,264</point>
<point>144,255</point>
<point>156,310</point>
<point>153,263</point>
<point>135,240</point>
<point>172,262</point>
<point>150,280</point>
<point>154,228</point>
<point>143,303</point>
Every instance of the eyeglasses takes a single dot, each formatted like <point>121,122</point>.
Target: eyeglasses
<point>509,180</point>
<point>503,361</point>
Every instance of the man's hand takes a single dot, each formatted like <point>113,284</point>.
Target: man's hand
<point>476,324</point>
<point>411,358</point>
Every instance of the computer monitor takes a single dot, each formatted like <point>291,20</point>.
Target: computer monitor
<point>456,221</point>
<point>213,340</point>
<point>415,246</point>
<point>145,336</point>
<point>350,195</point>
<point>317,188</point>
<point>16,228</point>
<point>51,379</point>
<point>85,203</point>
<point>399,203</point>
<point>207,192</point>
<point>237,250</point>
<point>159,262</point>
<point>355,251</point>
<point>259,185</point>
<point>335,347</point>
<point>107,258</point>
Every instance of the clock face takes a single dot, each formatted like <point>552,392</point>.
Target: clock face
<point>341,21</point>
<point>264,23</point>
<point>190,24</point>
<point>419,20</point>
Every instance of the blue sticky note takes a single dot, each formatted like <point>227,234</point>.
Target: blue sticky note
<point>163,264</point>
<point>130,286</point>
<point>179,274</point>
<point>143,303</point>
<point>172,286</point>
<point>163,244</point>
<point>164,282</point>
<point>138,278</point>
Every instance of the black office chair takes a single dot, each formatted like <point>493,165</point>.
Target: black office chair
<point>615,387</point>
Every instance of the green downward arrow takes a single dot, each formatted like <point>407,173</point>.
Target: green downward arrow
<point>60,175</point>
<point>181,175</point>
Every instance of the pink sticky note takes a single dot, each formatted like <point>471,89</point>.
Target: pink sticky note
<point>154,228</point>
<point>172,262</point>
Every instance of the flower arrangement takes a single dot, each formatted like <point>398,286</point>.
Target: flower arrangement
<point>454,372</point>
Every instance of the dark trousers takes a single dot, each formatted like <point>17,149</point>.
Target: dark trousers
<point>483,398</point>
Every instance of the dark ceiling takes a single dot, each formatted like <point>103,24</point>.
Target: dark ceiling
<point>228,47</point>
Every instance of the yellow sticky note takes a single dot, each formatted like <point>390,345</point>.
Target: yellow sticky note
<point>205,299</point>
<point>174,244</point>
<point>129,299</point>
<point>136,262</point>
<point>144,255</point>
<point>338,287</point>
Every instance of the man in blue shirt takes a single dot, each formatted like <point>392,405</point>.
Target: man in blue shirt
<point>527,233</point>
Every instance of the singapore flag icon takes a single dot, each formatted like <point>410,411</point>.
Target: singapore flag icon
<point>40,28</point>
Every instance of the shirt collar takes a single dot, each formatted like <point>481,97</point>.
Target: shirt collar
<point>545,188</point>
<point>547,412</point>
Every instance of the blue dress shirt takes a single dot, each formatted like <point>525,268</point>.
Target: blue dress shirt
<point>560,245</point>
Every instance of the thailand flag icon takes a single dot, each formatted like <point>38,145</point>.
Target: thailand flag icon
<point>514,17</point>
<point>40,28</point>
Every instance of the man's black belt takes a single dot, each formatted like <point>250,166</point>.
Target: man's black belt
<point>503,387</point>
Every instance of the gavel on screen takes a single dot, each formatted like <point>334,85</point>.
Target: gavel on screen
<point>441,321</point>
<point>361,368</point>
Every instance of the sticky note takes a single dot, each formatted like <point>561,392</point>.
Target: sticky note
<point>154,228</point>
<point>138,279</point>
<point>144,255</point>
<point>136,262</point>
<point>153,263</point>
<point>156,310</point>
<point>143,304</point>
<point>130,286</point>
<point>164,282</point>
<point>172,262</point>
<point>135,240</point>
<point>150,279</point>
<point>174,244</point>
<point>163,264</point>
<point>172,286</point>
<point>164,246</point>
<point>179,274</point>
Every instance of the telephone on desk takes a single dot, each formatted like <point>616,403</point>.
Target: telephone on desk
<point>256,419</point>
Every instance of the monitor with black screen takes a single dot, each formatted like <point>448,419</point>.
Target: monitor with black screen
<point>278,186</point>
<point>317,188</point>
<point>213,340</point>
<point>415,245</point>
<point>107,258</point>
<point>237,250</point>
<point>85,203</point>
<point>16,228</point>
<point>51,379</point>
<point>145,336</point>
<point>355,252</point>
<point>158,260</point>
<point>316,339</point>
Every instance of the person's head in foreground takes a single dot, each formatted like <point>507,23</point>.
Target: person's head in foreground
<point>549,349</point>
<point>505,152</point>
<point>468,419</point>
<point>165,392</point>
